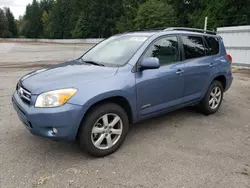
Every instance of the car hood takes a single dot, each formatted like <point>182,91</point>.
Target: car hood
<point>65,75</point>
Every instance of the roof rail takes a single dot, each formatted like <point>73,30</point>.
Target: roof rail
<point>190,29</point>
<point>149,29</point>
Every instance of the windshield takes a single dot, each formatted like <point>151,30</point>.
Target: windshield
<point>115,51</point>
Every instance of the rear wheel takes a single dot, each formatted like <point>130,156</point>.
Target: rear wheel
<point>213,98</point>
<point>104,129</point>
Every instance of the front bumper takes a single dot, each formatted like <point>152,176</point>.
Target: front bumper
<point>40,121</point>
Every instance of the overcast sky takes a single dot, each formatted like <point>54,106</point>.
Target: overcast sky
<point>16,6</point>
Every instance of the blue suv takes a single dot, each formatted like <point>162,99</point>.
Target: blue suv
<point>124,79</point>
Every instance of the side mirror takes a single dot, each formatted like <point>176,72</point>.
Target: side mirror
<point>150,63</point>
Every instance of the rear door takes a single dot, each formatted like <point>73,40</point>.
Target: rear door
<point>199,67</point>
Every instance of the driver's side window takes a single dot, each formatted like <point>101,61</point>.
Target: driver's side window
<point>165,49</point>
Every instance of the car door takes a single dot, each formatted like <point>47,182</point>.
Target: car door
<point>199,68</point>
<point>160,89</point>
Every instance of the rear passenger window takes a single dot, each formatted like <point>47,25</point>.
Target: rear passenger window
<point>193,47</point>
<point>212,47</point>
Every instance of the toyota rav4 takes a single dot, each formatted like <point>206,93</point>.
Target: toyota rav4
<point>124,79</point>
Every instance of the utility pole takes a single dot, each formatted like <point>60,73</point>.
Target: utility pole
<point>205,24</point>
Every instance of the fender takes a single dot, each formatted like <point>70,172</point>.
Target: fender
<point>211,80</point>
<point>117,93</point>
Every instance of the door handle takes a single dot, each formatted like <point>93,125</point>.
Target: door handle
<point>211,65</point>
<point>179,72</point>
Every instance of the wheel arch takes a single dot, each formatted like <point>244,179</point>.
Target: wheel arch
<point>122,101</point>
<point>222,79</point>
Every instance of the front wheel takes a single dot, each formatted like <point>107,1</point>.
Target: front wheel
<point>213,98</point>
<point>104,129</point>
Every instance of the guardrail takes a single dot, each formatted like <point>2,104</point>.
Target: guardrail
<point>59,41</point>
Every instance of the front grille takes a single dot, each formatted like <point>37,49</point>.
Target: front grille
<point>24,94</point>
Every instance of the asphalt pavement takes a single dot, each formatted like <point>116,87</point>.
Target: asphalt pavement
<point>182,149</point>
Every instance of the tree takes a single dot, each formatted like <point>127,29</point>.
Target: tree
<point>33,21</point>
<point>20,26</point>
<point>127,20</point>
<point>227,13</point>
<point>46,25</point>
<point>103,18</point>
<point>45,7</point>
<point>3,24</point>
<point>89,24</point>
<point>83,27</point>
<point>59,19</point>
<point>154,14</point>
<point>77,7</point>
<point>98,18</point>
<point>183,8</point>
<point>113,11</point>
<point>12,25</point>
<point>220,13</point>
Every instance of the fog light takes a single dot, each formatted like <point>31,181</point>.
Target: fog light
<point>54,131</point>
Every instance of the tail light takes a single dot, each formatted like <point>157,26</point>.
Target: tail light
<point>229,57</point>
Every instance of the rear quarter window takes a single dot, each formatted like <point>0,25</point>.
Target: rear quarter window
<point>193,47</point>
<point>212,45</point>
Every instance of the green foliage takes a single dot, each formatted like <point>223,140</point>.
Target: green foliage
<point>220,13</point>
<point>82,29</point>
<point>228,12</point>
<point>33,22</point>
<point>8,26</point>
<point>61,12</point>
<point>45,8</point>
<point>182,8</point>
<point>98,18</point>
<point>46,24</point>
<point>20,26</point>
<point>155,14</point>
<point>127,20</point>
<point>103,18</point>
<point>3,24</point>
<point>12,26</point>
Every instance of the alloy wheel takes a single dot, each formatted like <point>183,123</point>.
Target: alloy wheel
<point>215,98</point>
<point>106,131</point>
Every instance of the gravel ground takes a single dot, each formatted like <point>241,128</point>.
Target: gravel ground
<point>183,149</point>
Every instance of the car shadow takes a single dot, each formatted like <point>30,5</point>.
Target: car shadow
<point>166,119</point>
<point>138,130</point>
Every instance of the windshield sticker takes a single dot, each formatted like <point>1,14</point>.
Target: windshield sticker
<point>138,38</point>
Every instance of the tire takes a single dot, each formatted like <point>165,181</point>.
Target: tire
<point>93,129</point>
<point>205,105</point>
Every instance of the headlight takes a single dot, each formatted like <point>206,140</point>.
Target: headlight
<point>54,98</point>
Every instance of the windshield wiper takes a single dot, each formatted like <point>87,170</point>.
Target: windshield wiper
<point>94,63</point>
